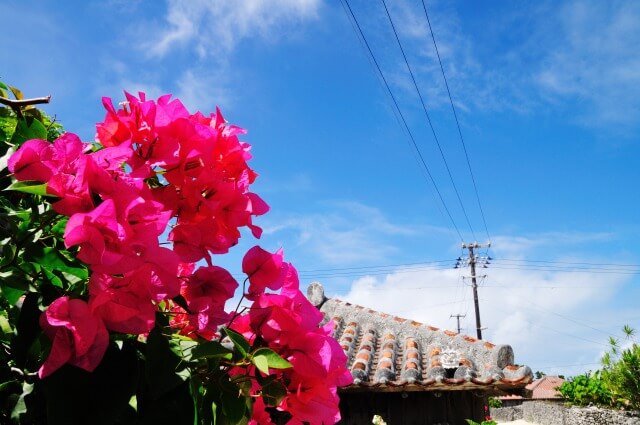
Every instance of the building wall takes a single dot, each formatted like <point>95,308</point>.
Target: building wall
<point>412,408</point>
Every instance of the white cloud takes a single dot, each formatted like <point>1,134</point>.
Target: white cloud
<point>579,56</point>
<point>551,318</point>
<point>215,27</point>
<point>595,61</point>
<point>204,89</point>
<point>350,233</point>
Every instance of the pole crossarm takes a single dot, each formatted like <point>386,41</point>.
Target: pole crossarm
<point>472,260</point>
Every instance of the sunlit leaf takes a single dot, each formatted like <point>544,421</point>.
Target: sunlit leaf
<point>273,359</point>
<point>17,93</point>
<point>27,129</point>
<point>21,407</point>
<point>32,187</point>
<point>239,342</point>
<point>261,363</point>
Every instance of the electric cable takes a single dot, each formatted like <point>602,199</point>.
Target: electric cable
<point>426,112</point>
<point>466,154</point>
<point>413,142</point>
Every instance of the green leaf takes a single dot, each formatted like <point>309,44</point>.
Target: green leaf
<point>210,349</point>
<point>261,363</point>
<point>21,407</point>
<point>234,406</point>
<point>51,259</point>
<point>179,299</point>
<point>273,359</point>
<point>214,409</point>
<point>8,251</point>
<point>5,326</point>
<point>32,187</point>
<point>28,329</point>
<point>60,226</point>
<point>55,280</point>
<point>27,129</point>
<point>239,342</point>
<point>273,393</point>
<point>7,384</point>
<point>16,92</point>
<point>162,364</point>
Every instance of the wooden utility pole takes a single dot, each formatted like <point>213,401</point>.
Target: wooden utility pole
<point>458,316</point>
<point>472,263</point>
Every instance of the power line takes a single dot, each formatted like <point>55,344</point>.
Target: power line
<point>378,266</point>
<point>570,270</point>
<point>473,179</point>
<point>429,262</point>
<point>577,322</point>
<point>568,262</point>
<point>570,335</point>
<point>433,131</point>
<point>395,102</point>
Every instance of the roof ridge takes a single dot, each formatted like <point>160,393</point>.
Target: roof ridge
<point>416,324</point>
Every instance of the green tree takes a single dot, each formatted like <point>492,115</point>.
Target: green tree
<point>621,370</point>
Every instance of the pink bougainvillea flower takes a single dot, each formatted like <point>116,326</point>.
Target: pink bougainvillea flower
<point>145,220</point>
<point>288,315</point>
<point>114,130</point>
<point>206,292</point>
<point>39,160</point>
<point>259,415</point>
<point>168,110</point>
<point>79,337</point>
<point>101,240</point>
<point>314,402</point>
<point>112,158</point>
<point>209,285</point>
<point>28,164</point>
<point>263,270</point>
<point>187,242</point>
<point>72,187</point>
<point>162,264</point>
<point>124,304</point>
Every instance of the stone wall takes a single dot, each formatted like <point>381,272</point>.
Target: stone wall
<point>556,413</point>
<point>544,413</point>
<point>596,416</point>
<point>506,414</point>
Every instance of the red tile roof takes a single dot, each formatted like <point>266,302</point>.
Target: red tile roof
<point>545,387</point>
<point>387,353</point>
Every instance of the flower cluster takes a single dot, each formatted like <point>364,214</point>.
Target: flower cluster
<point>154,163</point>
<point>155,166</point>
<point>289,324</point>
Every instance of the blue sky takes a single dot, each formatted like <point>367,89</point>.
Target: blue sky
<point>548,97</point>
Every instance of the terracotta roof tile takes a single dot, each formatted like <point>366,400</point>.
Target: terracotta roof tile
<point>545,387</point>
<point>385,352</point>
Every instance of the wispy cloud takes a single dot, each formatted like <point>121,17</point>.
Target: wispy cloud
<point>204,89</point>
<point>213,27</point>
<point>596,61</point>
<point>349,233</point>
<point>579,57</point>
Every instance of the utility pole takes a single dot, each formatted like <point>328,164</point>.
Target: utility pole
<point>472,261</point>
<point>458,316</point>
